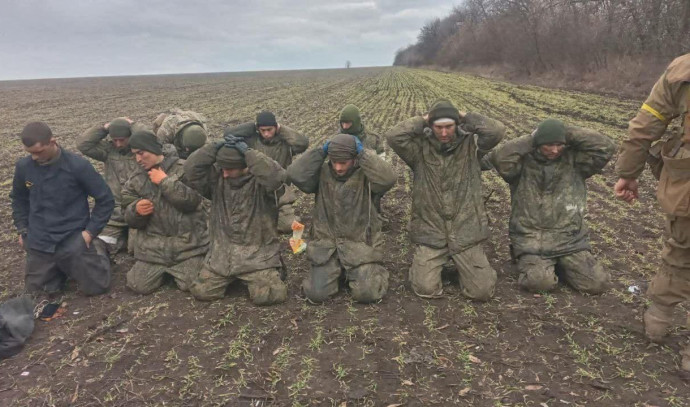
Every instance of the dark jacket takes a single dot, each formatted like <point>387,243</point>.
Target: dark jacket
<point>50,202</point>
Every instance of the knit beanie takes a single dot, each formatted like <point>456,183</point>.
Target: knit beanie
<point>230,158</point>
<point>147,141</point>
<point>443,109</point>
<point>342,147</point>
<point>119,128</point>
<point>550,131</point>
<point>266,118</point>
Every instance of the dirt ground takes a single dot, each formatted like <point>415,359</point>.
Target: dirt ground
<point>519,349</point>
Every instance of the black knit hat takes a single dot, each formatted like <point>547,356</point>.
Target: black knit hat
<point>443,109</point>
<point>266,118</point>
<point>147,141</point>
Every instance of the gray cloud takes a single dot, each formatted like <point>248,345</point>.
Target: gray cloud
<point>53,38</point>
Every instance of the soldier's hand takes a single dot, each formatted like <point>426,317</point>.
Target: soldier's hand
<point>87,238</point>
<point>130,121</point>
<point>241,146</point>
<point>358,145</point>
<point>157,175</point>
<point>626,189</point>
<point>144,207</point>
<point>325,147</point>
<point>106,126</point>
<point>21,241</point>
<point>426,118</point>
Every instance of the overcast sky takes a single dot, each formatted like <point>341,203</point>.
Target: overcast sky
<point>72,38</point>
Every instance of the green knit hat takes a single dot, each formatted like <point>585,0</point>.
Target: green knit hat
<point>550,131</point>
<point>119,128</point>
<point>147,141</point>
<point>350,113</point>
<point>443,109</point>
<point>193,137</point>
<point>230,158</point>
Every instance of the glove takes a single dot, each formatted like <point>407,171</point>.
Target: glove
<point>241,146</point>
<point>325,147</point>
<point>358,145</point>
<point>230,139</point>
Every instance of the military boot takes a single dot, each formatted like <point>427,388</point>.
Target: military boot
<point>657,320</point>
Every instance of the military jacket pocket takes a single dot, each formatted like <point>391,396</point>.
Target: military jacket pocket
<point>673,192</point>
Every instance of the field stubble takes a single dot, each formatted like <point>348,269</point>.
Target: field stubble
<point>561,348</point>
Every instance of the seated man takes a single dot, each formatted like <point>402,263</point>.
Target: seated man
<point>241,184</point>
<point>172,236</point>
<point>281,143</point>
<point>346,231</point>
<point>119,164</point>
<point>183,129</point>
<point>448,216</point>
<point>547,172</point>
<point>50,209</point>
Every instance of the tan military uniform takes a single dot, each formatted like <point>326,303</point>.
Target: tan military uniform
<point>670,98</point>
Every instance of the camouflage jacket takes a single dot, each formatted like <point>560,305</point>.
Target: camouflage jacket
<point>369,139</point>
<point>168,126</point>
<point>345,217</point>
<point>447,205</point>
<point>177,229</point>
<point>549,197</point>
<point>244,211</point>
<point>282,147</point>
<point>118,165</point>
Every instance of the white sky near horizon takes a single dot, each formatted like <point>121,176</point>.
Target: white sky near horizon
<point>75,38</point>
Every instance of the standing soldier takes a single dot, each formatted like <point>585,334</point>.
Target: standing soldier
<point>242,184</point>
<point>119,164</point>
<point>50,209</point>
<point>280,143</point>
<point>172,235</point>
<point>443,149</point>
<point>669,99</point>
<point>346,233</point>
<point>351,123</point>
<point>184,129</point>
<point>547,172</point>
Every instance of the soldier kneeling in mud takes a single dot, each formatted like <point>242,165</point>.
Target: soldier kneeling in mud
<point>243,185</point>
<point>449,221</point>
<point>346,231</point>
<point>183,129</point>
<point>119,164</point>
<point>172,236</point>
<point>280,143</point>
<point>546,172</point>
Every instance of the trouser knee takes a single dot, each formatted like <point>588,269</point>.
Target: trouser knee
<point>368,283</point>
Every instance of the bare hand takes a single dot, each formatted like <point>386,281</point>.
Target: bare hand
<point>106,126</point>
<point>426,117</point>
<point>462,114</point>
<point>144,207</point>
<point>87,238</point>
<point>21,242</point>
<point>626,189</point>
<point>130,121</point>
<point>157,175</point>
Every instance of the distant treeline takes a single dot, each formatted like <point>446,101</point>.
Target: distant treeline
<point>573,37</point>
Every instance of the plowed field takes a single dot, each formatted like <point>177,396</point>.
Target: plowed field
<point>562,348</point>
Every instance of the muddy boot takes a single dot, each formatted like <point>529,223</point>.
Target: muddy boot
<point>657,320</point>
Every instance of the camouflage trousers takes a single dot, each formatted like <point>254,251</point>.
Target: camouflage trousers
<point>145,278</point>
<point>671,284</point>
<point>368,282</point>
<point>265,286</point>
<point>477,277</point>
<point>115,237</point>
<point>579,270</point>
<point>88,266</point>
<point>286,213</point>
